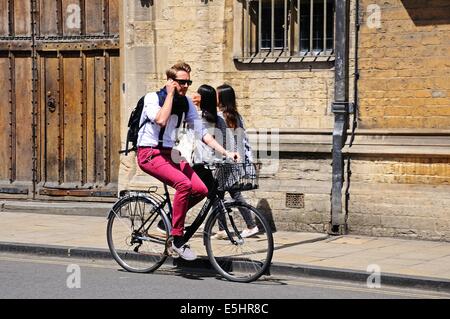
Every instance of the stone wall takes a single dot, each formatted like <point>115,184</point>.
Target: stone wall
<point>401,196</point>
<point>401,157</point>
<point>405,64</point>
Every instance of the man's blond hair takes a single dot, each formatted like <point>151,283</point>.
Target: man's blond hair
<point>179,66</point>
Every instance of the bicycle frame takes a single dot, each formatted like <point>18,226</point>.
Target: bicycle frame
<point>190,230</point>
<point>212,199</point>
<point>169,203</point>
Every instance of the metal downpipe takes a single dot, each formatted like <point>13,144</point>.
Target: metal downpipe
<point>341,109</point>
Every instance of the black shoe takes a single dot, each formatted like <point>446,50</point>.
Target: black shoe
<point>161,227</point>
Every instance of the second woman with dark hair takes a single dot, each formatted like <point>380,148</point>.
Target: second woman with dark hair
<point>206,102</point>
<point>231,124</point>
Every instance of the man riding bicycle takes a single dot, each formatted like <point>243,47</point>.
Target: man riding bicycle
<point>161,116</point>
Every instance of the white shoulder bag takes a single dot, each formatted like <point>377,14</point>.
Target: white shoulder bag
<point>184,146</point>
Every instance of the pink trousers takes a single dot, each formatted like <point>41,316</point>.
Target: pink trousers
<point>190,189</point>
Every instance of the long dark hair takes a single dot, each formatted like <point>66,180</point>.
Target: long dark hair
<point>227,104</point>
<point>208,103</point>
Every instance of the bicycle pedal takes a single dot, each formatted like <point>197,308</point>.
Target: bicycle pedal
<point>169,249</point>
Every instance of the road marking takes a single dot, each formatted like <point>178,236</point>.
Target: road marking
<point>388,290</point>
<point>309,282</point>
<point>54,262</point>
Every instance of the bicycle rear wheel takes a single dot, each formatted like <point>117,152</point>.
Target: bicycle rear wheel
<point>236,258</point>
<point>134,238</point>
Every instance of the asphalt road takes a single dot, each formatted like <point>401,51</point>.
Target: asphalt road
<point>45,277</point>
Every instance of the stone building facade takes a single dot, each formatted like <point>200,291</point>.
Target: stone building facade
<point>400,157</point>
<point>400,184</point>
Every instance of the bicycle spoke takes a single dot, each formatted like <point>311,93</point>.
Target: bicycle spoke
<point>240,259</point>
<point>133,239</point>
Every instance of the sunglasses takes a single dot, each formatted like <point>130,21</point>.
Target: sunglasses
<point>183,82</point>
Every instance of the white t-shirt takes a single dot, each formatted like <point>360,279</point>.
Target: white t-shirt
<point>202,152</point>
<point>149,133</point>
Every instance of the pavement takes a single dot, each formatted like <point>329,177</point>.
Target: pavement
<point>78,229</point>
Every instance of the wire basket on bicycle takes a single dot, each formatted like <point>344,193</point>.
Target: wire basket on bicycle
<point>237,176</point>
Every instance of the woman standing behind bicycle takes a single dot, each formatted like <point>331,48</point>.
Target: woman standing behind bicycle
<point>231,123</point>
<point>160,118</point>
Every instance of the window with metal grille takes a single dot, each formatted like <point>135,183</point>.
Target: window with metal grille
<point>286,31</point>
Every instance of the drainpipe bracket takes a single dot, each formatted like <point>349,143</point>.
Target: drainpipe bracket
<point>343,107</point>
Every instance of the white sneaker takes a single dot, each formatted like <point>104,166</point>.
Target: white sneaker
<point>248,232</point>
<point>221,234</point>
<point>185,252</point>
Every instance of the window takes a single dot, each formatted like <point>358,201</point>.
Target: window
<point>286,31</point>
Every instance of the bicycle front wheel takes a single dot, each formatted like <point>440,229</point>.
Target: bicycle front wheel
<point>137,234</point>
<point>238,258</point>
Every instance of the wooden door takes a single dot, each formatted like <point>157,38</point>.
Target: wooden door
<point>62,62</point>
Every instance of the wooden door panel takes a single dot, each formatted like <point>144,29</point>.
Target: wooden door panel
<point>22,18</point>
<point>4,21</point>
<point>23,119</point>
<point>90,138</point>
<point>5,119</point>
<point>48,18</point>
<point>95,119</point>
<point>94,17</point>
<point>100,118</point>
<point>114,23</point>
<point>114,120</point>
<point>50,110</point>
<point>72,113</point>
<point>90,172</point>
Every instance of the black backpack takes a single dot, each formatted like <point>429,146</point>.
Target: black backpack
<point>134,127</point>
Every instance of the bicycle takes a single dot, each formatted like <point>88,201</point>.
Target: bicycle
<point>138,245</point>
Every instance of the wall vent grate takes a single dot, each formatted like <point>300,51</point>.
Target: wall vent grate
<point>295,200</point>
